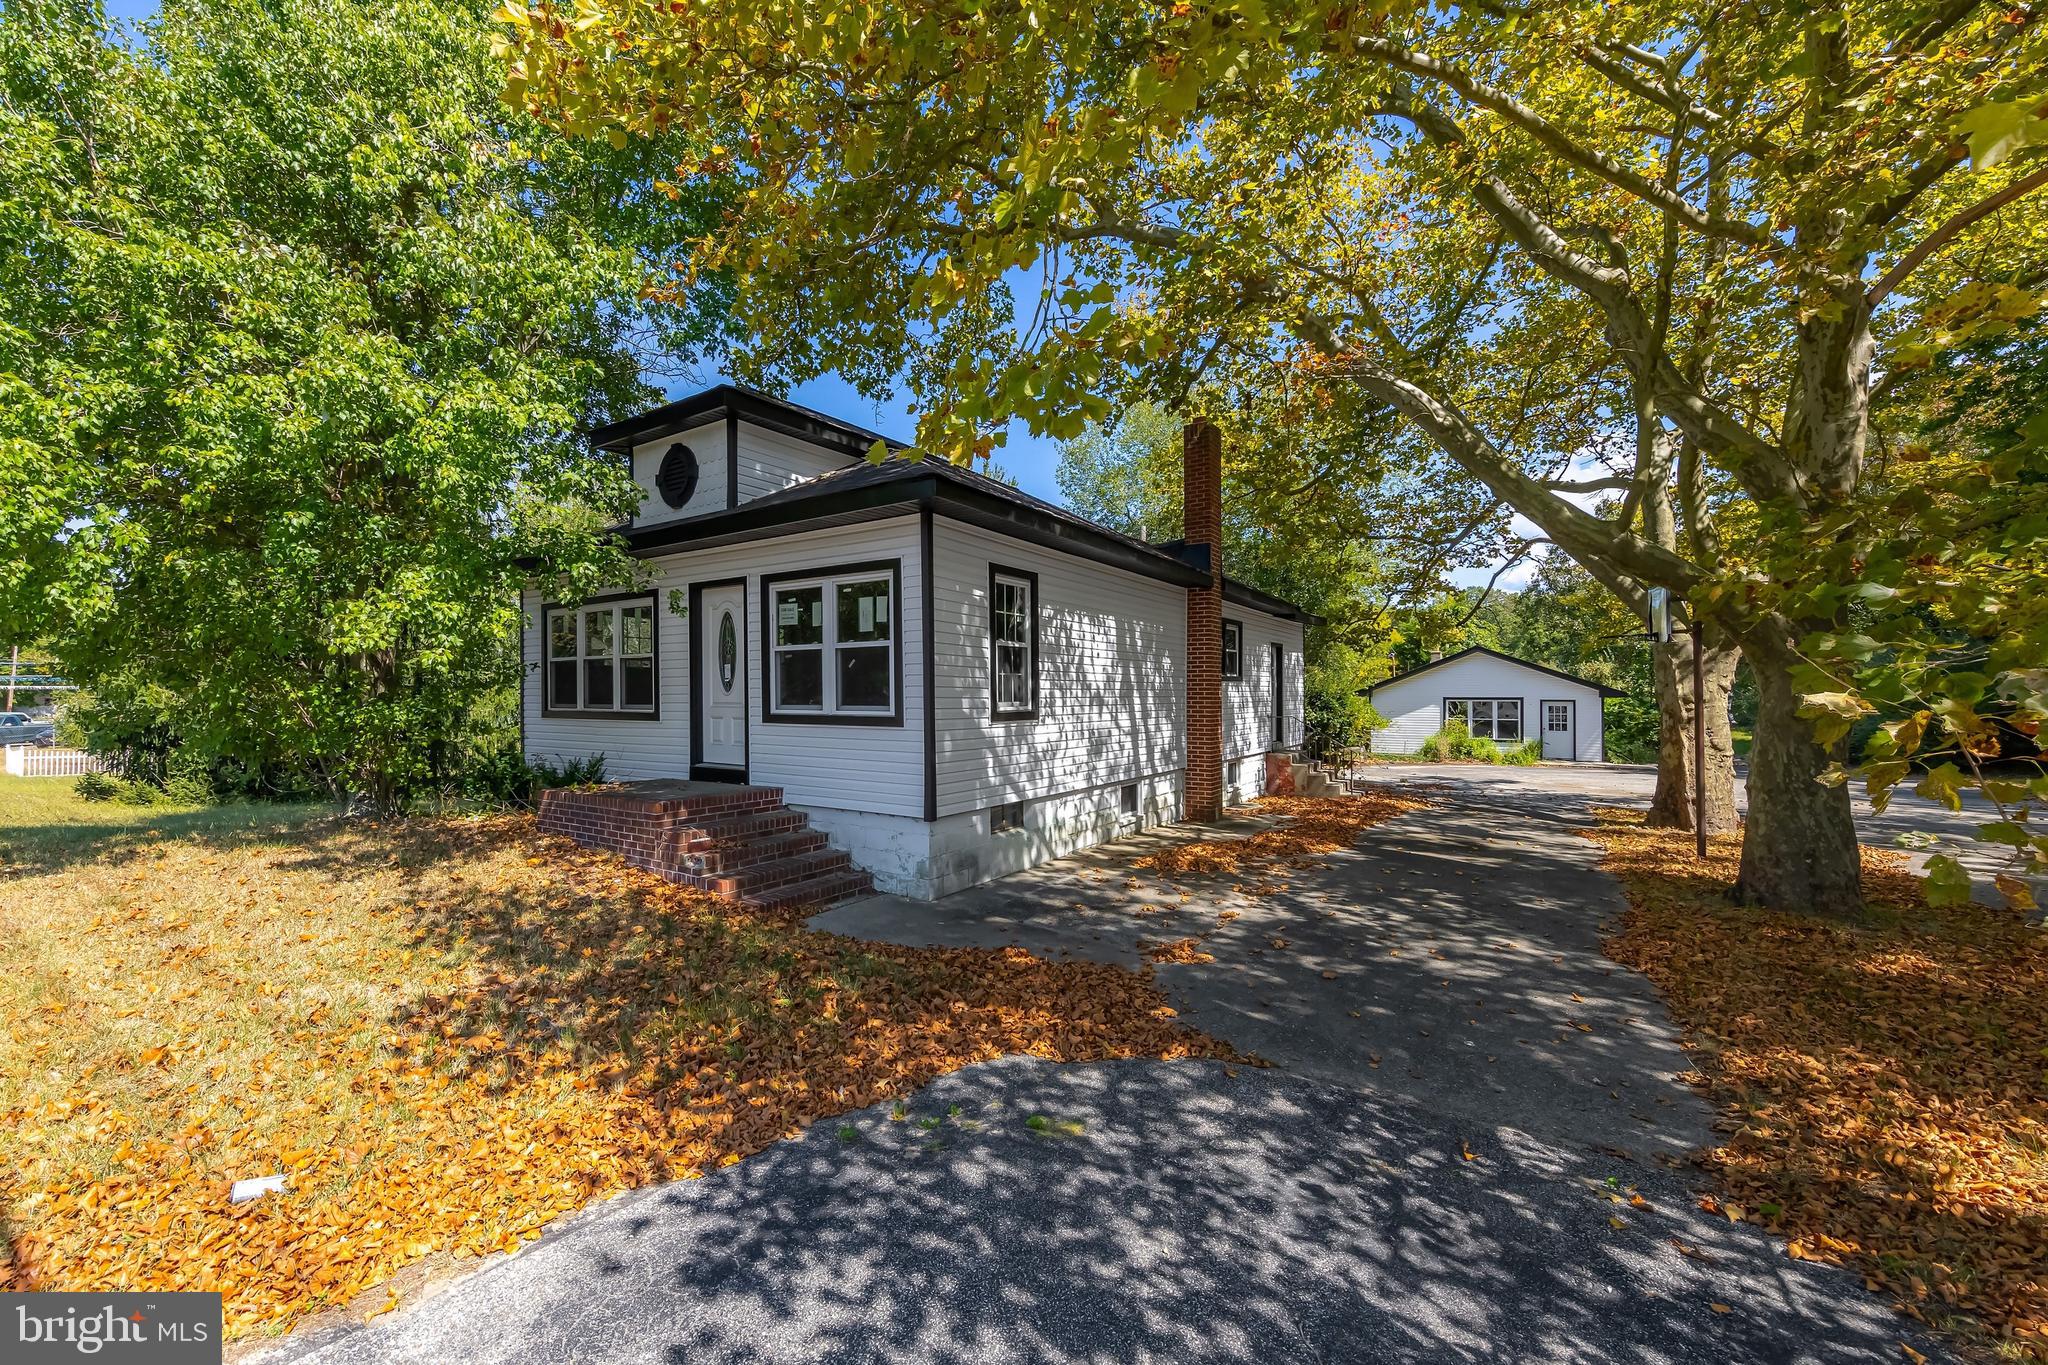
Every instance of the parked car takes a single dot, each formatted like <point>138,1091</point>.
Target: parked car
<point>18,727</point>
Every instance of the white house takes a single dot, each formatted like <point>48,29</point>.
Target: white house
<point>1500,698</point>
<point>948,678</point>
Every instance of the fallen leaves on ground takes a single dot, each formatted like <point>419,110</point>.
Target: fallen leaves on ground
<point>1886,1081</point>
<point>1314,826</point>
<point>1182,950</point>
<point>444,1034</point>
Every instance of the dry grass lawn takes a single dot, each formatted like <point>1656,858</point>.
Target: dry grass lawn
<point>1884,1084</point>
<point>445,1034</point>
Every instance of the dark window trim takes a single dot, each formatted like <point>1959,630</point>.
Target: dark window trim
<point>996,713</point>
<point>548,710</point>
<point>1014,810</point>
<point>699,770</point>
<point>1237,674</point>
<point>769,715</point>
<point>1521,704</point>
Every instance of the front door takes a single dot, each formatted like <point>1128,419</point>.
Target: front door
<point>721,676</point>
<point>1559,737</point>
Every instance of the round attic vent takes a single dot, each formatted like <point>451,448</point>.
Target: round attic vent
<point>677,477</point>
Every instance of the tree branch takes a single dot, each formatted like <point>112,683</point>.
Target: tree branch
<point>1550,135</point>
<point>1947,232</point>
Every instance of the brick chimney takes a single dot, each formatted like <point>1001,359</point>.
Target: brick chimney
<point>1202,480</point>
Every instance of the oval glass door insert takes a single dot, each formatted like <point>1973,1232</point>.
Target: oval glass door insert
<point>728,651</point>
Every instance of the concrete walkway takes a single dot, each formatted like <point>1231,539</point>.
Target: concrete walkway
<point>1465,1152</point>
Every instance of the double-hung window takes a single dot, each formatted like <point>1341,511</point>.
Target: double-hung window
<point>831,644</point>
<point>601,657</point>
<point>1013,642</point>
<point>1233,649</point>
<point>1494,718</point>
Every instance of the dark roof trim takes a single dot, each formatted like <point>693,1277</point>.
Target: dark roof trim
<point>1245,595</point>
<point>747,405</point>
<point>872,501</point>
<point>1602,688</point>
<point>861,492</point>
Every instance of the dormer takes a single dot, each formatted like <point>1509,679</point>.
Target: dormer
<point>715,450</point>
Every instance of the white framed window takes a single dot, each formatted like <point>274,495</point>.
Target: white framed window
<point>600,658</point>
<point>1013,643</point>
<point>831,646</point>
<point>1233,649</point>
<point>1557,717</point>
<point>1494,718</point>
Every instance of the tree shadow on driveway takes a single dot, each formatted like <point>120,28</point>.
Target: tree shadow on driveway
<point>1026,1211</point>
<point>1453,957</point>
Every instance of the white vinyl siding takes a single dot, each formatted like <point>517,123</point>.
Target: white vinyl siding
<point>707,443</point>
<point>770,461</point>
<point>1110,675</point>
<point>1414,707</point>
<point>876,768</point>
<point>1248,699</point>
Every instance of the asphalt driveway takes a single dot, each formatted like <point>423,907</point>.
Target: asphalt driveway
<point>1466,1150</point>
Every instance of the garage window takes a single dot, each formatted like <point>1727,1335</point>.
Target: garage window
<point>1495,718</point>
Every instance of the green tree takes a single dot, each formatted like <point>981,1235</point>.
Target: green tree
<point>1742,208</point>
<point>298,326</point>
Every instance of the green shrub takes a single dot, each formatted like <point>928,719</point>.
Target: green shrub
<point>1524,755</point>
<point>135,792</point>
<point>508,778</point>
<point>1455,741</point>
<point>575,772</point>
<point>189,791</point>
<point>1335,714</point>
<point>1630,750</point>
<point>97,787</point>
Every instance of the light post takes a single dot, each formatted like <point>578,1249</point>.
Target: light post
<point>1660,632</point>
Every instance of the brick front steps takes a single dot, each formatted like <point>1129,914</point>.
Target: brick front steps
<point>740,842</point>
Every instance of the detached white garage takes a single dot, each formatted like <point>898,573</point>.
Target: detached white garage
<point>1504,699</point>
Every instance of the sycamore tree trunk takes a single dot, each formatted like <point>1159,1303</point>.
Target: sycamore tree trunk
<point>1672,806</point>
<point>1799,848</point>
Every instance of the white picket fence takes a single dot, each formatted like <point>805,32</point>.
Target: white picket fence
<point>25,760</point>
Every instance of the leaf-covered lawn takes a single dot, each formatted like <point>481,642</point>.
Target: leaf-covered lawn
<point>445,1033</point>
<point>1884,1084</point>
